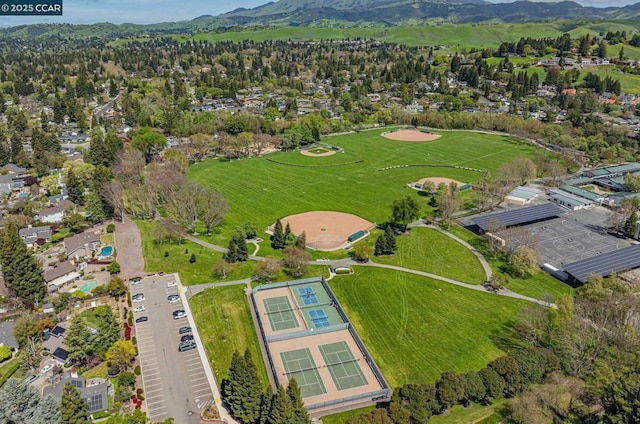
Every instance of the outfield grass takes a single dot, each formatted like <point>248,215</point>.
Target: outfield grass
<point>342,417</point>
<point>416,328</point>
<point>224,321</point>
<point>428,250</point>
<point>261,191</point>
<point>477,414</point>
<point>540,285</point>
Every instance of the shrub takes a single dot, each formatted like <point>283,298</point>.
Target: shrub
<point>101,414</point>
<point>111,228</point>
<point>136,371</point>
<point>134,340</point>
<point>139,392</point>
<point>126,379</point>
<point>192,259</point>
<point>5,353</point>
<point>113,267</point>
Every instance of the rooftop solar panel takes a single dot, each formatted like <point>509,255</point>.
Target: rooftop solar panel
<point>57,331</point>
<point>605,264</point>
<point>519,216</point>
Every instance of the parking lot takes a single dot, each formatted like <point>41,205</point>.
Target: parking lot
<point>175,383</point>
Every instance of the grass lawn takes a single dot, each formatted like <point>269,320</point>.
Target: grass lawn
<point>474,415</point>
<point>416,327</point>
<point>224,321</point>
<point>277,190</point>
<point>342,417</point>
<point>97,372</point>
<point>90,315</point>
<point>540,285</point>
<point>426,249</point>
<point>9,369</point>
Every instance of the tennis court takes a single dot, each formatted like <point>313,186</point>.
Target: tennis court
<point>299,364</point>
<point>308,295</point>
<point>342,365</point>
<point>280,313</point>
<point>318,318</point>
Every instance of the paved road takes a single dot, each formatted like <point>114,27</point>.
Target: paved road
<point>175,383</point>
<point>128,249</point>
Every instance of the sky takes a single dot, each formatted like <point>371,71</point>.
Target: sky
<point>155,11</point>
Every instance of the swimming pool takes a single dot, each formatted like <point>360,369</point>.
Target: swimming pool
<point>106,251</point>
<point>88,286</point>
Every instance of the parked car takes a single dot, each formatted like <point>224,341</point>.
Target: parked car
<point>142,319</point>
<point>47,368</point>
<point>174,298</point>
<point>186,338</point>
<point>172,284</point>
<point>184,330</point>
<point>180,313</point>
<point>186,346</point>
<point>138,297</point>
<point>140,308</point>
<point>136,282</point>
<point>31,378</point>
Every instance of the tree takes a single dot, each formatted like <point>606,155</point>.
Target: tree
<point>78,340</point>
<point>404,211</point>
<point>237,251</point>
<point>268,269</point>
<point>221,268</point>
<point>508,368</point>
<point>621,399</point>
<point>148,142</point>
<point>47,411</point>
<point>121,354</point>
<point>73,409</point>
<point>253,387</point>
<point>300,414</point>
<point>113,193</point>
<point>250,230</point>
<point>24,329</point>
<point>524,261</point>
<point>474,387</point>
<point>296,261</point>
<point>21,271</point>
<point>242,391</point>
<point>449,201</point>
<point>108,330</point>
<point>278,240</point>
<point>75,188</point>
<point>113,267</point>
<point>116,287</point>
<point>281,408</point>
<point>632,182</point>
<point>493,382</point>
<point>498,281</point>
<point>385,243</point>
<point>631,225</point>
<point>18,401</point>
<point>362,252</point>
<point>95,208</point>
<point>213,208</point>
<point>450,389</point>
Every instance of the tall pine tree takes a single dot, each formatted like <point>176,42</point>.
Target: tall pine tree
<point>73,409</point>
<point>300,414</point>
<point>75,188</point>
<point>278,240</point>
<point>21,271</point>
<point>243,389</point>
<point>253,386</point>
<point>281,408</point>
<point>233,390</point>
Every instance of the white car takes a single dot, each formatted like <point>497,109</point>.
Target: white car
<point>136,282</point>
<point>139,309</point>
<point>179,314</point>
<point>137,299</point>
<point>172,284</point>
<point>174,298</point>
<point>47,368</point>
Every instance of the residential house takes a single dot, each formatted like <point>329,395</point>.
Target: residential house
<point>54,342</point>
<point>63,273</point>
<point>10,183</point>
<point>31,234</point>
<point>55,214</point>
<point>14,169</point>
<point>6,335</point>
<point>83,245</point>
<point>94,393</point>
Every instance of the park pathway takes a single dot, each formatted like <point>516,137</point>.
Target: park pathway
<point>193,290</point>
<point>217,248</point>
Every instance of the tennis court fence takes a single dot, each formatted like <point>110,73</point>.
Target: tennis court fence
<point>296,334</point>
<point>377,396</point>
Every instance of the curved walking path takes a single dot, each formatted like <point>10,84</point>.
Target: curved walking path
<point>217,248</point>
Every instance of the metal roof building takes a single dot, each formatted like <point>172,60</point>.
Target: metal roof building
<point>604,265</point>
<point>518,216</point>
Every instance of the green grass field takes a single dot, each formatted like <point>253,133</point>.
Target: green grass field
<point>341,417</point>
<point>455,37</point>
<point>224,321</point>
<point>261,191</point>
<point>416,327</point>
<point>426,249</point>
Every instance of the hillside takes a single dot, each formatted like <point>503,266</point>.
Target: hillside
<point>342,14</point>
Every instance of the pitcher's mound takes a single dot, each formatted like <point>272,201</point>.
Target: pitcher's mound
<point>328,230</point>
<point>410,135</point>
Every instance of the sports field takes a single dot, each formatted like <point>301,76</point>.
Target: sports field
<point>416,327</point>
<point>260,190</point>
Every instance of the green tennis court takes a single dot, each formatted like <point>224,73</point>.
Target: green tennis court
<point>280,313</point>
<point>299,364</point>
<point>342,365</point>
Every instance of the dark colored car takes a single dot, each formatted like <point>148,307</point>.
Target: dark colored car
<point>180,313</point>
<point>186,338</point>
<point>186,346</point>
<point>142,319</point>
<point>184,330</point>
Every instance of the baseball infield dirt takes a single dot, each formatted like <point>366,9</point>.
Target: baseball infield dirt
<point>440,180</point>
<point>326,230</point>
<point>410,135</point>
<point>310,153</point>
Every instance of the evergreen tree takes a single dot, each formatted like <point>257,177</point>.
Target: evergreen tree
<point>47,411</point>
<point>75,188</point>
<point>301,241</point>
<point>108,330</point>
<point>238,251</point>
<point>380,248</point>
<point>4,154</point>
<point>281,408</point>
<point>98,153</point>
<point>73,409</point>
<point>265,405</point>
<point>233,390</point>
<point>253,387</point>
<point>278,240</point>
<point>79,341</point>
<point>18,401</point>
<point>21,271</point>
<point>96,208</point>
<point>391,240</point>
<point>300,414</point>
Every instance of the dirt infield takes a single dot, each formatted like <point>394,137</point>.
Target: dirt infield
<point>326,230</point>
<point>441,180</point>
<point>307,152</point>
<point>410,135</point>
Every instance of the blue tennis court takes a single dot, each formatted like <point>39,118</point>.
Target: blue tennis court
<point>307,295</point>
<point>318,318</point>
